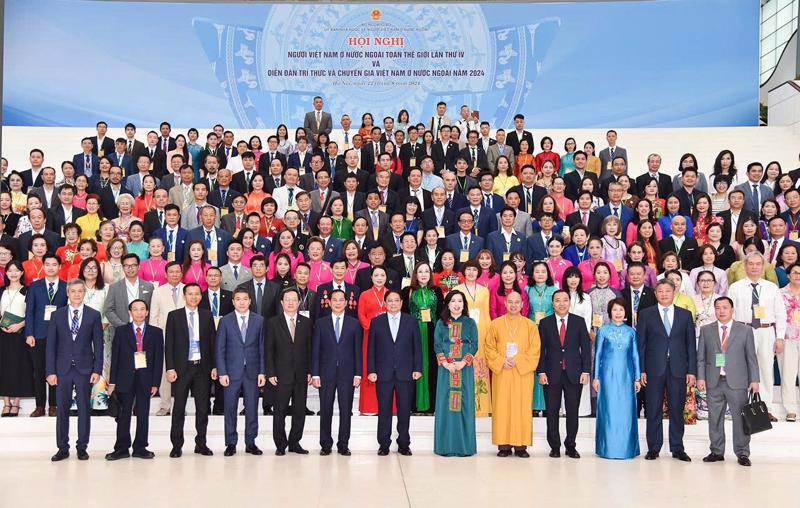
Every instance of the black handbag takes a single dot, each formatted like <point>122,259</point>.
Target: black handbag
<point>113,406</point>
<point>755,417</point>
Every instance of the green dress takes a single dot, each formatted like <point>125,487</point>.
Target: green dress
<point>540,298</point>
<point>425,305</point>
<point>342,229</point>
<point>454,427</point>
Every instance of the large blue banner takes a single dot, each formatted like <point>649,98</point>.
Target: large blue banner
<point>669,63</point>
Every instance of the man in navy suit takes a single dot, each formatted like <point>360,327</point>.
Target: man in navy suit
<point>74,359</point>
<point>43,298</point>
<point>615,206</point>
<point>668,359</point>
<point>172,234</point>
<point>137,359</point>
<point>484,219</point>
<point>336,366</point>
<point>438,216</point>
<point>240,366</point>
<point>215,239</point>
<point>332,246</point>
<point>120,157</point>
<point>490,200</point>
<point>564,368</point>
<point>466,243</point>
<point>394,362</point>
<point>453,198</point>
<point>325,291</point>
<point>536,245</point>
<point>38,220</point>
<point>505,240</point>
<point>87,161</point>
<point>102,144</point>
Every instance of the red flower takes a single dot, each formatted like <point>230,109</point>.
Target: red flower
<point>458,342</point>
<point>449,359</point>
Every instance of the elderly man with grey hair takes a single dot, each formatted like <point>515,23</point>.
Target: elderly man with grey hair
<point>759,303</point>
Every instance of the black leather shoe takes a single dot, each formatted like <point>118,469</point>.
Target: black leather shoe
<point>253,449</point>
<point>651,455</point>
<point>555,453</point>
<point>713,457</point>
<point>230,451</point>
<point>572,453</point>
<point>298,450</point>
<point>268,412</point>
<point>82,455</point>
<point>405,451</point>
<point>345,452</point>
<point>117,455</point>
<point>743,461</point>
<point>144,453</point>
<point>203,450</point>
<point>523,454</point>
<point>60,455</point>
<point>325,451</point>
<point>681,456</point>
<point>383,452</point>
<point>241,413</point>
<point>309,412</point>
<point>280,453</point>
<point>504,453</point>
<point>175,453</point>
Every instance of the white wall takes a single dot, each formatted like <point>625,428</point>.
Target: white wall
<point>748,143</point>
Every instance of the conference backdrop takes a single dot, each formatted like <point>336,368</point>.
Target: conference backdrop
<point>668,63</point>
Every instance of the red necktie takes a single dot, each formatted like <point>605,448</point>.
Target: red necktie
<point>562,335</point>
<point>772,250</point>
<point>139,341</point>
<point>584,219</point>
<point>238,223</point>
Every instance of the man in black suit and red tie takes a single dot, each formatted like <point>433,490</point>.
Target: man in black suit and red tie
<point>564,368</point>
<point>336,365</point>
<point>394,362</point>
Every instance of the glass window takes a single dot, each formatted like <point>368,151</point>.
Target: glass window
<point>784,16</point>
<point>769,8</point>
<point>768,43</point>
<point>783,3</point>
<point>768,61</point>
<point>768,26</point>
<point>784,34</point>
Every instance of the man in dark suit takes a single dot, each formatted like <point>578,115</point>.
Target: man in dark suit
<point>454,200</point>
<point>394,362</point>
<point>565,366</point>
<point>240,365</point>
<point>65,212</point>
<point>486,219</point>
<point>518,134</point>
<point>608,154</point>
<point>377,257</point>
<point>414,189</point>
<point>137,360</point>
<point>165,141</point>
<point>678,242</point>
<point>322,302</point>
<point>466,243</point>
<point>215,239</point>
<point>156,218</point>
<point>350,167</point>
<point>133,146</point>
<point>615,206</point>
<point>38,222</point>
<point>110,193</point>
<point>271,154</point>
<point>223,194</point>
<point>584,215</point>
<point>664,181</point>
<point>74,360</point>
<point>687,194</point>
<point>158,157</point>
<point>43,298</point>
<point>288,366</point>
<point>332,246</point>
<point>172,235</point>
<point>636,294</point>
<point>102,144</point>
<point>505,240</point>
<point>220,302</point>
<point>405,262</point>
<point>438,216</point>
<point>473,152</point>
<point>189,357</point>
<point>668,360</point>
<point>735,214</point>
<point>241,180</point>
<point>373,147</point>
<point>336,367</point>
<point>317,121</point>
<point>531,194</point>
<point>87,162</point>
<point>444,152</point>
<point>212,148</point>
<point>574,179</point>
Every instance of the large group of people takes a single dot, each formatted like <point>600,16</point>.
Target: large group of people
<point>444,268</point>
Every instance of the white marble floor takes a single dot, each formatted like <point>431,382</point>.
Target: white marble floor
<point>364,479</point>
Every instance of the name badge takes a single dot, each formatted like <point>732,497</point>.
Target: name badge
<point>793,235</point>
<point>350,216</point>
<point>506,256</point>
<point>304,313</point>
<point>618,265</point>
<point>170,256</point>
<point>216,321</point>
<point>151,166</point>
<point>100,152</point>
<point>464,257</point>
<point>223,211</point>
<point>759,312</point>
<point>597,320</point>
<point>155,284</point>
<point>608,165</point>
<point>212,255</point>
<point>425,315</point>
<point>48,310</point>
<point>440,231</point>
<point>796,316</point>
<point>375,233</point>
<point>382,208</point>
<point>405,282</point>
<point>719,360</point>
<point>139,360</point>
<point>413,162</point>
<point>538,316</point>
<point>475,314</point>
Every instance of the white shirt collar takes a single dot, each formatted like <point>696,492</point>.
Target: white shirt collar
<point>239,315</point>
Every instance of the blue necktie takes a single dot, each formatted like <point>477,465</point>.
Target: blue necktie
<point>338,328</point>
<point>215,306</point>
<point>667,324</point>
<point>170,240</point>
<point>243,328</point>
<point>74,326</point>
<point>235,273</point>
<point>208,239</point>
<point>466,243</point>
<point>50,291</point>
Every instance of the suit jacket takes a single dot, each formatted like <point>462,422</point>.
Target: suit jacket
<point>265,160</point>
<point>487,220</point>
<point>338,164</point>
<point>151,223</point>
<point>108,146</point>
<point>664,184</point>
<point>383,223</point>
<point>269,184</point>
<point>310,124</point>
<point>308,181</point>
<point>535,248</point>
<point>79,162</point>
<point>764,191</point>
<point>483,161</point>
<point>54,199</point>
<point>646,299</point>
<point>576,351</point>
<point>225,301</point>
<point>85,352</point>
<point>394,359</point>
<point>294,161</point>
<point>138,149</point>
<point>407,153</point>
<point>625,215</point>
<point>36,300</point>
<point>368,155</point>
<point>453,242</point>
<point>444,160</point>
<point>270,298</point>
<point>107,202</point>
<point>228,222</point>
<point>158,162</point>
<point>594,220</point>
<point>496,242</point>
<point>448,220</point>
<point>457,202</point>
<point>656,347</point>
<point>180,241</point>
<point>239,181</point>
<point>333,250</point>
<point>123,369</point>
<point>338,181</point>
<point>405,192</point>
<point>190,216</point>
<point>289,360</point>
<point>727,233</point>
<point>28,180</point>
<point>56,218</point>
<point>687,200</point>
<point>317,205</point>
<point>337,360</point>
<point>161,304</point>
<point>53,242</point>
<point>398,264</point>
<point>126,163</point>
<point>359,201</point>
<point>573,180</point>
<point>606,159</point>
<point>219,152</point>
<point>741,362</point>
<point>537,193</point>
<point>513,140</point>
<point>176,341</point>
<point>236,356</point>
<point>223,238</point>
<point>364,279</point>
<point>494,153</point>
<point>322,299</point>
<point>115,307</point>
<point>688,252</point>
<point>229,282</point>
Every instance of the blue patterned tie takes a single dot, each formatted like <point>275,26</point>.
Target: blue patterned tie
<point>235,273</point>
<point>50,291</point>
<point>208,239</point>
<point>338,328</point>
<point>667,324</point>
<point>215,305</point>
<point>74,326</point>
